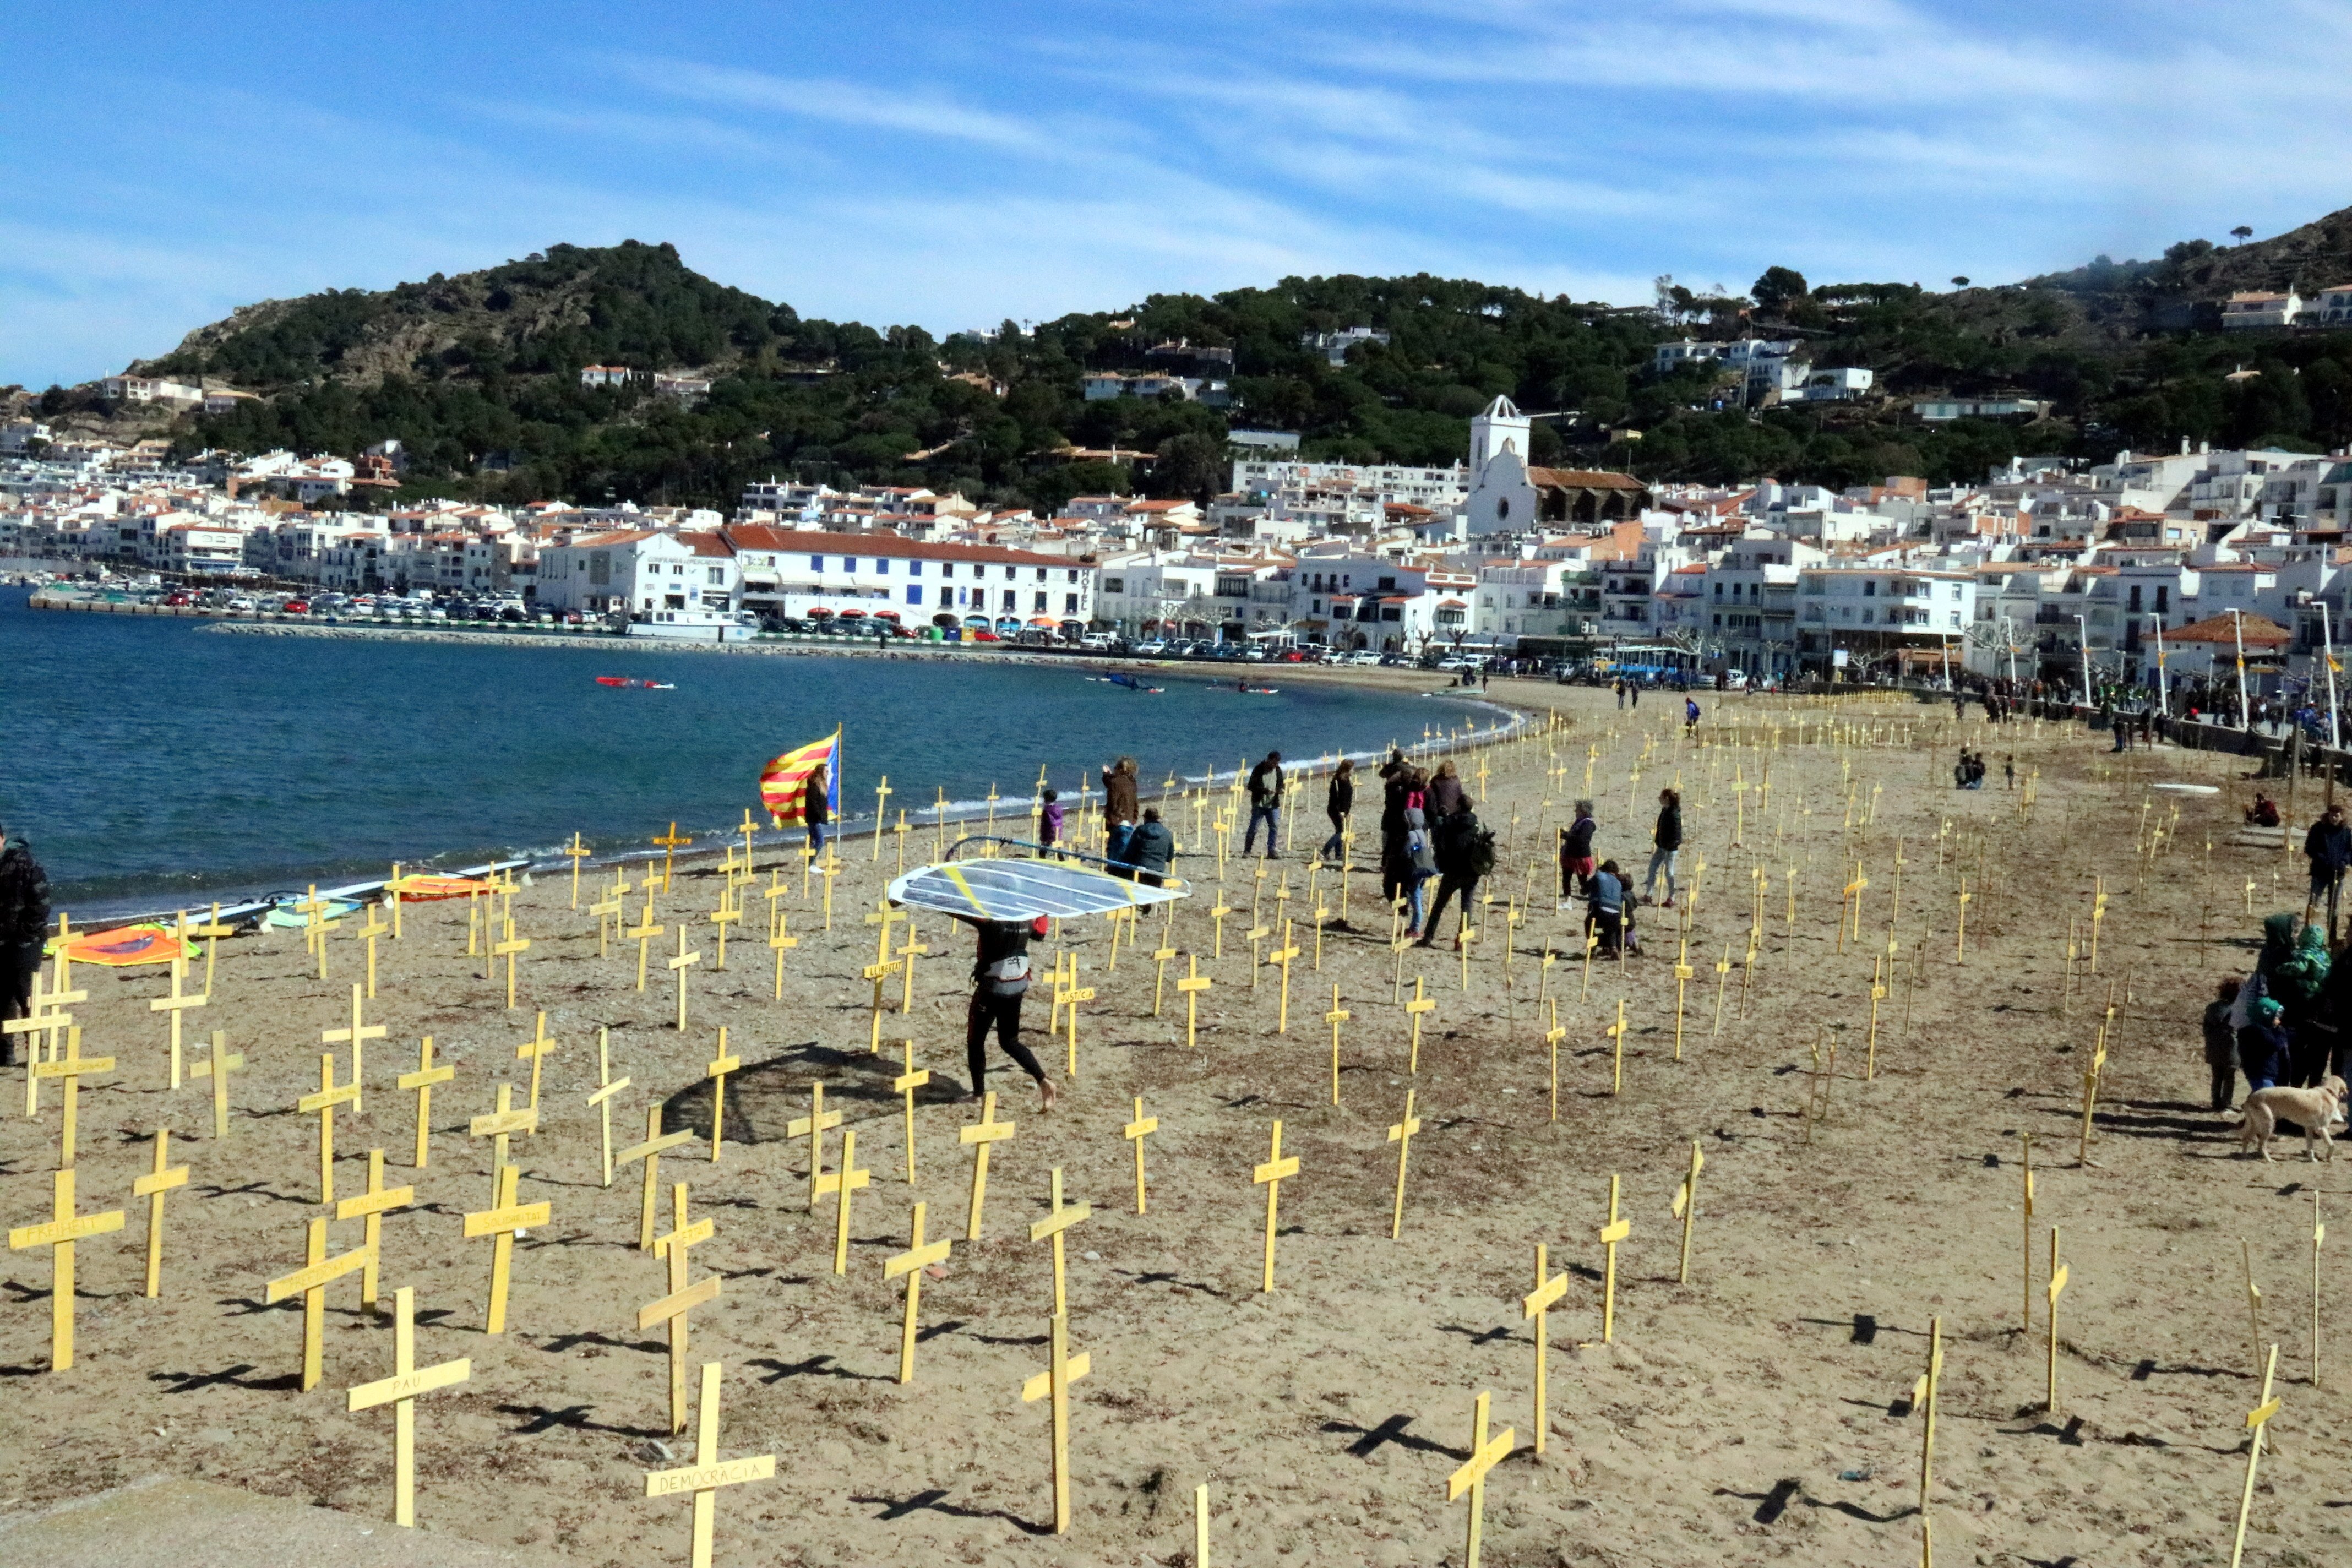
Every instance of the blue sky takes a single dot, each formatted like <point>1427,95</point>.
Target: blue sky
<point>954,165</point>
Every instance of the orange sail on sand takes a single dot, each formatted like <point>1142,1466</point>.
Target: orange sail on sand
<point>125,947</point>
<point>422,889</point>
<point>783,782</point>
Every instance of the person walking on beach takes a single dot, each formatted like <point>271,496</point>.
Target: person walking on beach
<point>2221,1046</point>
<point>2328,848</point>
<point>1463,852</point>
<point>1576,852</point>
<point>816,807</point>
<point>1667,842</point>
<point>1152,849</point>
<point>24,927</point>
<point>1420,862</point>
<point>1690,715</point>
<point>1445,793</point>
<point>1049,821</point>
<point>1620,693</point>
<point>1119,806</point>
<point>1265,805</point>
<point>999,974</point>
<point>1339,804</point>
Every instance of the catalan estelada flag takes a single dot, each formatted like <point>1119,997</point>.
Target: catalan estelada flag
<point>783,782</point>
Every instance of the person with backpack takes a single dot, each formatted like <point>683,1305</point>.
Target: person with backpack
<point>1265,805</point>
<point>1152,849</point>
<point>1463,852</point>
<point>1668,841</point>
<point>1604,908</point>
<point>2328,848</point>
<point>1690,715</point>
<point>1576,851</point>
<point>1119,807</point>
<point>1000,975</point>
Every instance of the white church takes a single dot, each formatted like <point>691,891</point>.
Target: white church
<point>1510,495</point>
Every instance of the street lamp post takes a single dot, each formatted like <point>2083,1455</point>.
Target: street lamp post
<point>2163,700</point>
<point>2083,641</point>
<point>2238,639</point>
<point>2327,663</point>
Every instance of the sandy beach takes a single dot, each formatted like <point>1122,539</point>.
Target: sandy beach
<point>1760,1413</point>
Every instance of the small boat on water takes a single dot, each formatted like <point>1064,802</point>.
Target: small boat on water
<point>1129,682</point>
<point>633,681</point>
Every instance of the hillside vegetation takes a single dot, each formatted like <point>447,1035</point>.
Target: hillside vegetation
<point>478,375</point>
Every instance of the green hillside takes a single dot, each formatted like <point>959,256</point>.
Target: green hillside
<point>478,375</point>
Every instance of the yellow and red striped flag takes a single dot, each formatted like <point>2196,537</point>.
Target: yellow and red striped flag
<point>783,782</point>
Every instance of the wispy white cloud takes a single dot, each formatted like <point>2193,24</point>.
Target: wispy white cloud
<point>882,104</point>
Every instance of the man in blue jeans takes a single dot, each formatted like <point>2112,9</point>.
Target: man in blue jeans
<point>1265,804</point>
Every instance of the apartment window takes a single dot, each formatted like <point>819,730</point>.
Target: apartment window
<point>1012,599</point>
<point>1073,575</point>
<point>914,593</point>
<point>1114,584</point>
<point>1039,601</point>
<point>1070,601</point>
<point>2163,592</point>
<point>718,575</point>
<point>2135,599</point>
<point>817,563</point>
<point>1041,573</point>
<point>1870,590</point>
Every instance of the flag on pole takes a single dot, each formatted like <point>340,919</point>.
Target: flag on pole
<point>783,782</point>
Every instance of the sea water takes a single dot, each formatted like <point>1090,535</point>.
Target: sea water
<point>153,761</point>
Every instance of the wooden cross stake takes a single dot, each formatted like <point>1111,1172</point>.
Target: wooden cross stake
<point>1923,1399</point>
<point>71,1067</point>
<point>1053,1226</point>
<point>2058,1275</point>
<point>510,947</point>
<point>369,931</point>
<point>1420,1004</point>
<point>1192,986</point>
<point>577,852</point>
<point>905,1084</point>
<point>217,1066</point>
<point>358,1035</point>
<point>1616,1033</point>
<point>1400,1134</point>
<point>978,1137</point>
<point>650,1151</point>
<point>174,1005</point>
<point>498,1127</point>
<point>1282,955</point>
<point>1335,1017</point>
<point>422,1081</point>
<point>1062,1371</point>
<point>535,1050</point>
<point>400,1391</point>
<point>911,1263</point>
<point>670,844</point>
<point>709,1472</point>
<point>1615,1232</point>
<point>1485,1453</point>
<point>682,1299</point>
<point>678,966</point>
<point>1271,1175</point>
<point>646,930</point>
<point>1535,1305</point>
<point>503,1222</point>
<point>310,1283</point>
<point>1686,1208</point>
<point>2258,1421</point>
<point>813,1127</point>
<point>64,1228</point>
<point>371,1206</point>
<point>1135,1133</point>
<point>842,1183</point>
<point>152,1186</point>
<point>717,1070</point>
<point>322,1104</point>
<point>607,1086</point>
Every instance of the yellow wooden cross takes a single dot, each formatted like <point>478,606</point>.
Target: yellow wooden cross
<point>644,933</point>
<point>717,1070</point>
<point>499,1126</point>
<point>678,966</point>
<point>1217,913</point>
<point>212,931</point>
<point>709,1472</point>
<point>371,928</point>
<point>1413,1010</point>
<point>1615,1231</point>
<point>670,844</point>
<point>1400,1134</point>
<point>502,1222</point>
<point>310,1283</point>
<point>64,1228</point>
<point>609,912</point>
<point>2258,1421</point>
<point>813,1127</point>
<point>1535,1306</point>
<point>357,1035</point>
<point>161,1179</point>
<point>1616,1033</point>
<point>978,1137</point>
<point>1135,1133</point>
<point>400,1391</point>
<point>1282,955</point>
<point>682,1297</point>
<point>1192,986</point>
<point>1461,942</point>
<point>843,1184</point>
<point>313,910</point>
<point>1335,1017</point>
<point>2058,1276</point>
<point>71,1067</point>
<point>577,852</point>
<point>511,947</point>
<point>1271,1175</point>
<point>1257,933</point>
<point>1054,1225</point>
<point>905,1084</point>
<point>607,1086</point>
<point>911,1263</point>
<point>1960,954</point>
<point>174,1005</point>
<point>323,1105</point>
<point>1682,974</point>
<point>1686,1208</point>
<point>905,956</point>
<point>1485,1453</point>
<point>1070,998</point>
<point>370,1205</point>
<point>780,939</point>
<point>1063,1369</point>
<point>657,1141</point>
<point>422,1081</point>
<point>535,1050</point>
<point>1160,956</point>
<point>44,1015</point>
<point>725,915</point>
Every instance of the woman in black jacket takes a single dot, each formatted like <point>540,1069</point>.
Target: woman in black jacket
<point>1668,841</point>
<point>1337,805</point>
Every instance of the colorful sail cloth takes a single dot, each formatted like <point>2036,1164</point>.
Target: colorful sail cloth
<point>783,782</point>
<point>285,916</point>
<point>422,889</point>
<point>1020,889</point>
<point>125,947</point>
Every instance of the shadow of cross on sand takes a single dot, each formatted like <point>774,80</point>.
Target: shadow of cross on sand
<point>762,1096</point>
